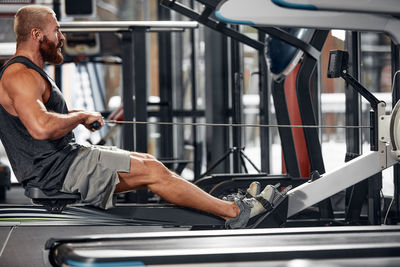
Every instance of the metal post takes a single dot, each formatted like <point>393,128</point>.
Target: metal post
<point>355,195</point>
<point>134,97</point>
<point>165,80</point>
<point>237,105</point>
<point>193,59</point>
<point>127,48</point>
<point>217,97</point>
<point>264,107</point>
<point>140,88</point>
<point>353,136</point>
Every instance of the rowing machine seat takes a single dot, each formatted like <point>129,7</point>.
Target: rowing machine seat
<point>54,203</point>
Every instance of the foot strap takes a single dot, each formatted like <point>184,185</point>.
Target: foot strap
<point>247,195</point>
<point>266,204</point>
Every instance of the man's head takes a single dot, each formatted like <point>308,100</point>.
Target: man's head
<point>38,25</point>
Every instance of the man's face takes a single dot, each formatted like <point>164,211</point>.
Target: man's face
<point>51,51</point>
<point>53,40</point>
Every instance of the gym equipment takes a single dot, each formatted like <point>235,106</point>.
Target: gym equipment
<point>132,34</point>
<point>116,26</point>
<point>382,139</point>
<point>96,125</point>
<point>305,195</point>
<point>54,203</point>
<point>149,214</point>
<point>266,247</point>
<point>266,13</point>
<point>283,57</point>
<point>370,6</point>
<point>5,181</point>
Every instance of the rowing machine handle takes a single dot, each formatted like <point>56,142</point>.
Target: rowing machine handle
<point>95,125</point>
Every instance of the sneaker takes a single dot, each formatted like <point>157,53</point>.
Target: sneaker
<point>251,207</point>
<point>245,205</point>
<point>253,190</point>
<point>267,199</point>
<point>272,194</point>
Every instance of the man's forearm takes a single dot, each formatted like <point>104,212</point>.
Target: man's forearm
<point>56,125</point>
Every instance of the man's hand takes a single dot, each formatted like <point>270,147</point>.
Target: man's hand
<point>92,117</point>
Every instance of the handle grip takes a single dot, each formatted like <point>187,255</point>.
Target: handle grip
<point>95,125</point>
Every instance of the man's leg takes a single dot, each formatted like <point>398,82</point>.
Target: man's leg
<point>146,171</point>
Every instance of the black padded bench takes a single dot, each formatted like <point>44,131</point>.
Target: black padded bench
<point>54,203</point>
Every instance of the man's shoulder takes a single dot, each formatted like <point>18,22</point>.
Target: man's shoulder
<point>18,72</point>
<point>17,69</point>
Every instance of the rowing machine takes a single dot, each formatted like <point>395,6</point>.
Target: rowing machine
<point>382,155</point>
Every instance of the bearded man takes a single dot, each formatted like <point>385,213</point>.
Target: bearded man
<point>36,131</point>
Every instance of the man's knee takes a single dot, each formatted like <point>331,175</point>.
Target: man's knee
<point>158,168</point>
<point>150,168</point>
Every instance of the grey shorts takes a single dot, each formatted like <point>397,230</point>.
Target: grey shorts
<point>93,174</point>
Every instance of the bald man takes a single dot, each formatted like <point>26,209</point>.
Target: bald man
<point>36,130</point>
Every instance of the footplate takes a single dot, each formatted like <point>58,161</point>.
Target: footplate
<point>275,218</point>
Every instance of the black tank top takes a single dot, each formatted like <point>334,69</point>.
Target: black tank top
<point>37,163</point>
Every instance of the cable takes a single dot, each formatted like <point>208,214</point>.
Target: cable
<point>244,125</point>
<point>232,124</point>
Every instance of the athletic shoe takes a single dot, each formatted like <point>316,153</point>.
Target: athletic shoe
<point>245,205</point>
<point>253,190</point>
<point>251,207</point>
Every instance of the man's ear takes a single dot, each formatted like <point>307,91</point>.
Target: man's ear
<point>36,34</point>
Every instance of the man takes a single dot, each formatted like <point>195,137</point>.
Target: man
<point>36,131</point>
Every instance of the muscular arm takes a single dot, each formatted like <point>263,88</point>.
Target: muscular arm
<point>26,88</point>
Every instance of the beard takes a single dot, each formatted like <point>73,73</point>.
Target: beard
<point>50,51</point>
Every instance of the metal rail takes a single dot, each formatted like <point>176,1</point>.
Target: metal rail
<point>115,26</point>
